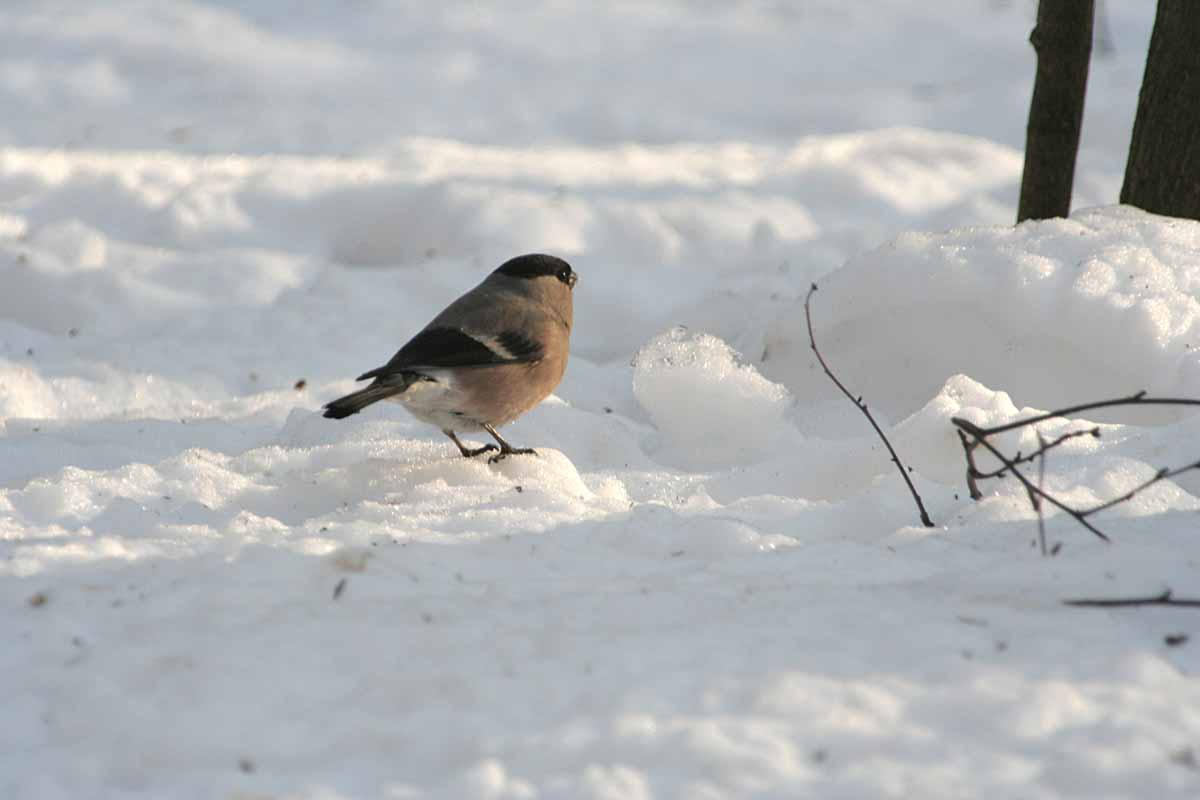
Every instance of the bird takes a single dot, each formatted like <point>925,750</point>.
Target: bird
<point>490,356</point>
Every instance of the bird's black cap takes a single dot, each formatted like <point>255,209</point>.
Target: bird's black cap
<point>537,265</point>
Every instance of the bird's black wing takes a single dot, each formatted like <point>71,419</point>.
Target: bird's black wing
<point>440,348</point>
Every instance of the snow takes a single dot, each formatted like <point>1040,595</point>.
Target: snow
<point>732,413</point>
<point>709,582</point>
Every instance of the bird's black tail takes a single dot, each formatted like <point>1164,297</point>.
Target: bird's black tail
<point>357,401</point>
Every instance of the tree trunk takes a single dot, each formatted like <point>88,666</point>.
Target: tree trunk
<point>1062,40</point>
<point>1162,174</point>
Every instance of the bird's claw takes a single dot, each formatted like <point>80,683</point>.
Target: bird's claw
<point>478,451</point>
<point>516,451</point>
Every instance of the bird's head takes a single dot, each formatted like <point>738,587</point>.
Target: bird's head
<point>536,267</point>
<point>544,279</point>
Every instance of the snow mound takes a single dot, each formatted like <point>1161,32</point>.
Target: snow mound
<point>199,500</point>
<point>709,406</point>
<point>1103,304</point>
<point>123,241</point>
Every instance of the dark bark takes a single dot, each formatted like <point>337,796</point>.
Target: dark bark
<point>1162,174</point>
<point>1062,40</point>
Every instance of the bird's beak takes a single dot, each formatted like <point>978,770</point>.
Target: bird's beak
<point>571,280</point>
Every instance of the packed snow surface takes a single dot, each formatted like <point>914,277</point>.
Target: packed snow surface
<point>710,582</point>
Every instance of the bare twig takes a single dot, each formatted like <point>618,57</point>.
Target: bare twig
<point>1162,474</point>
<point>925,520</point>
<point>972,472</point>
<point>1037,501</point>
<point>1044,447</point>
<point>980,437</point>
<point>1164,599</point>
<point>1139,399</point>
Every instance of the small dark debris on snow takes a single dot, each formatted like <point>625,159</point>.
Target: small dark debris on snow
<point>607,410</point>
<point>677,553</point>
<point>246,765</point>
<point>426,617</point>
<point>519,488</point>
<point>300,384</point>
<point>338,588</point>
<point>1056,549</point>
<point>72,332</point>
<point>29,351</point>
<point>1186,758</point>
<point>1175,639</point>
<point>1001,647</point>
<point>37,599</point>
<point>820,756</point>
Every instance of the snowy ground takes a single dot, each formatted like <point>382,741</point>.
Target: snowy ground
<point>710,583</point>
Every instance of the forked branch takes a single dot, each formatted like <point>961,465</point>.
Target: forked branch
<point>972,436</point>
<point>980,438</point>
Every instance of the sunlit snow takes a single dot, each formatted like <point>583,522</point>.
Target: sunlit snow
<point>710,582</point>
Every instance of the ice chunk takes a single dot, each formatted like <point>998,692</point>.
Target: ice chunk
<point>709,407</point>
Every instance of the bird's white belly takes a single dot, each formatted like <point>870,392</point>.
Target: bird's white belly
<point>436,402</point>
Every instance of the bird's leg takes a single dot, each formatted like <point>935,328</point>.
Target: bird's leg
<point>467,451</point>
<point>506,449</point>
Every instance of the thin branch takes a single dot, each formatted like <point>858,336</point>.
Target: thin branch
<point>925,520</point>
<point>981,438</point>
<point>1164,599</point>
<point>1162,474</point>
<point>972,472</point>
<point>1037,502</point>
<point>1138,399</point>
<point>1045,447</point>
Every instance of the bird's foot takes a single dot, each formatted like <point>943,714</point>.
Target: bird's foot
<point>471,452</point>
<point>512,451</point>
